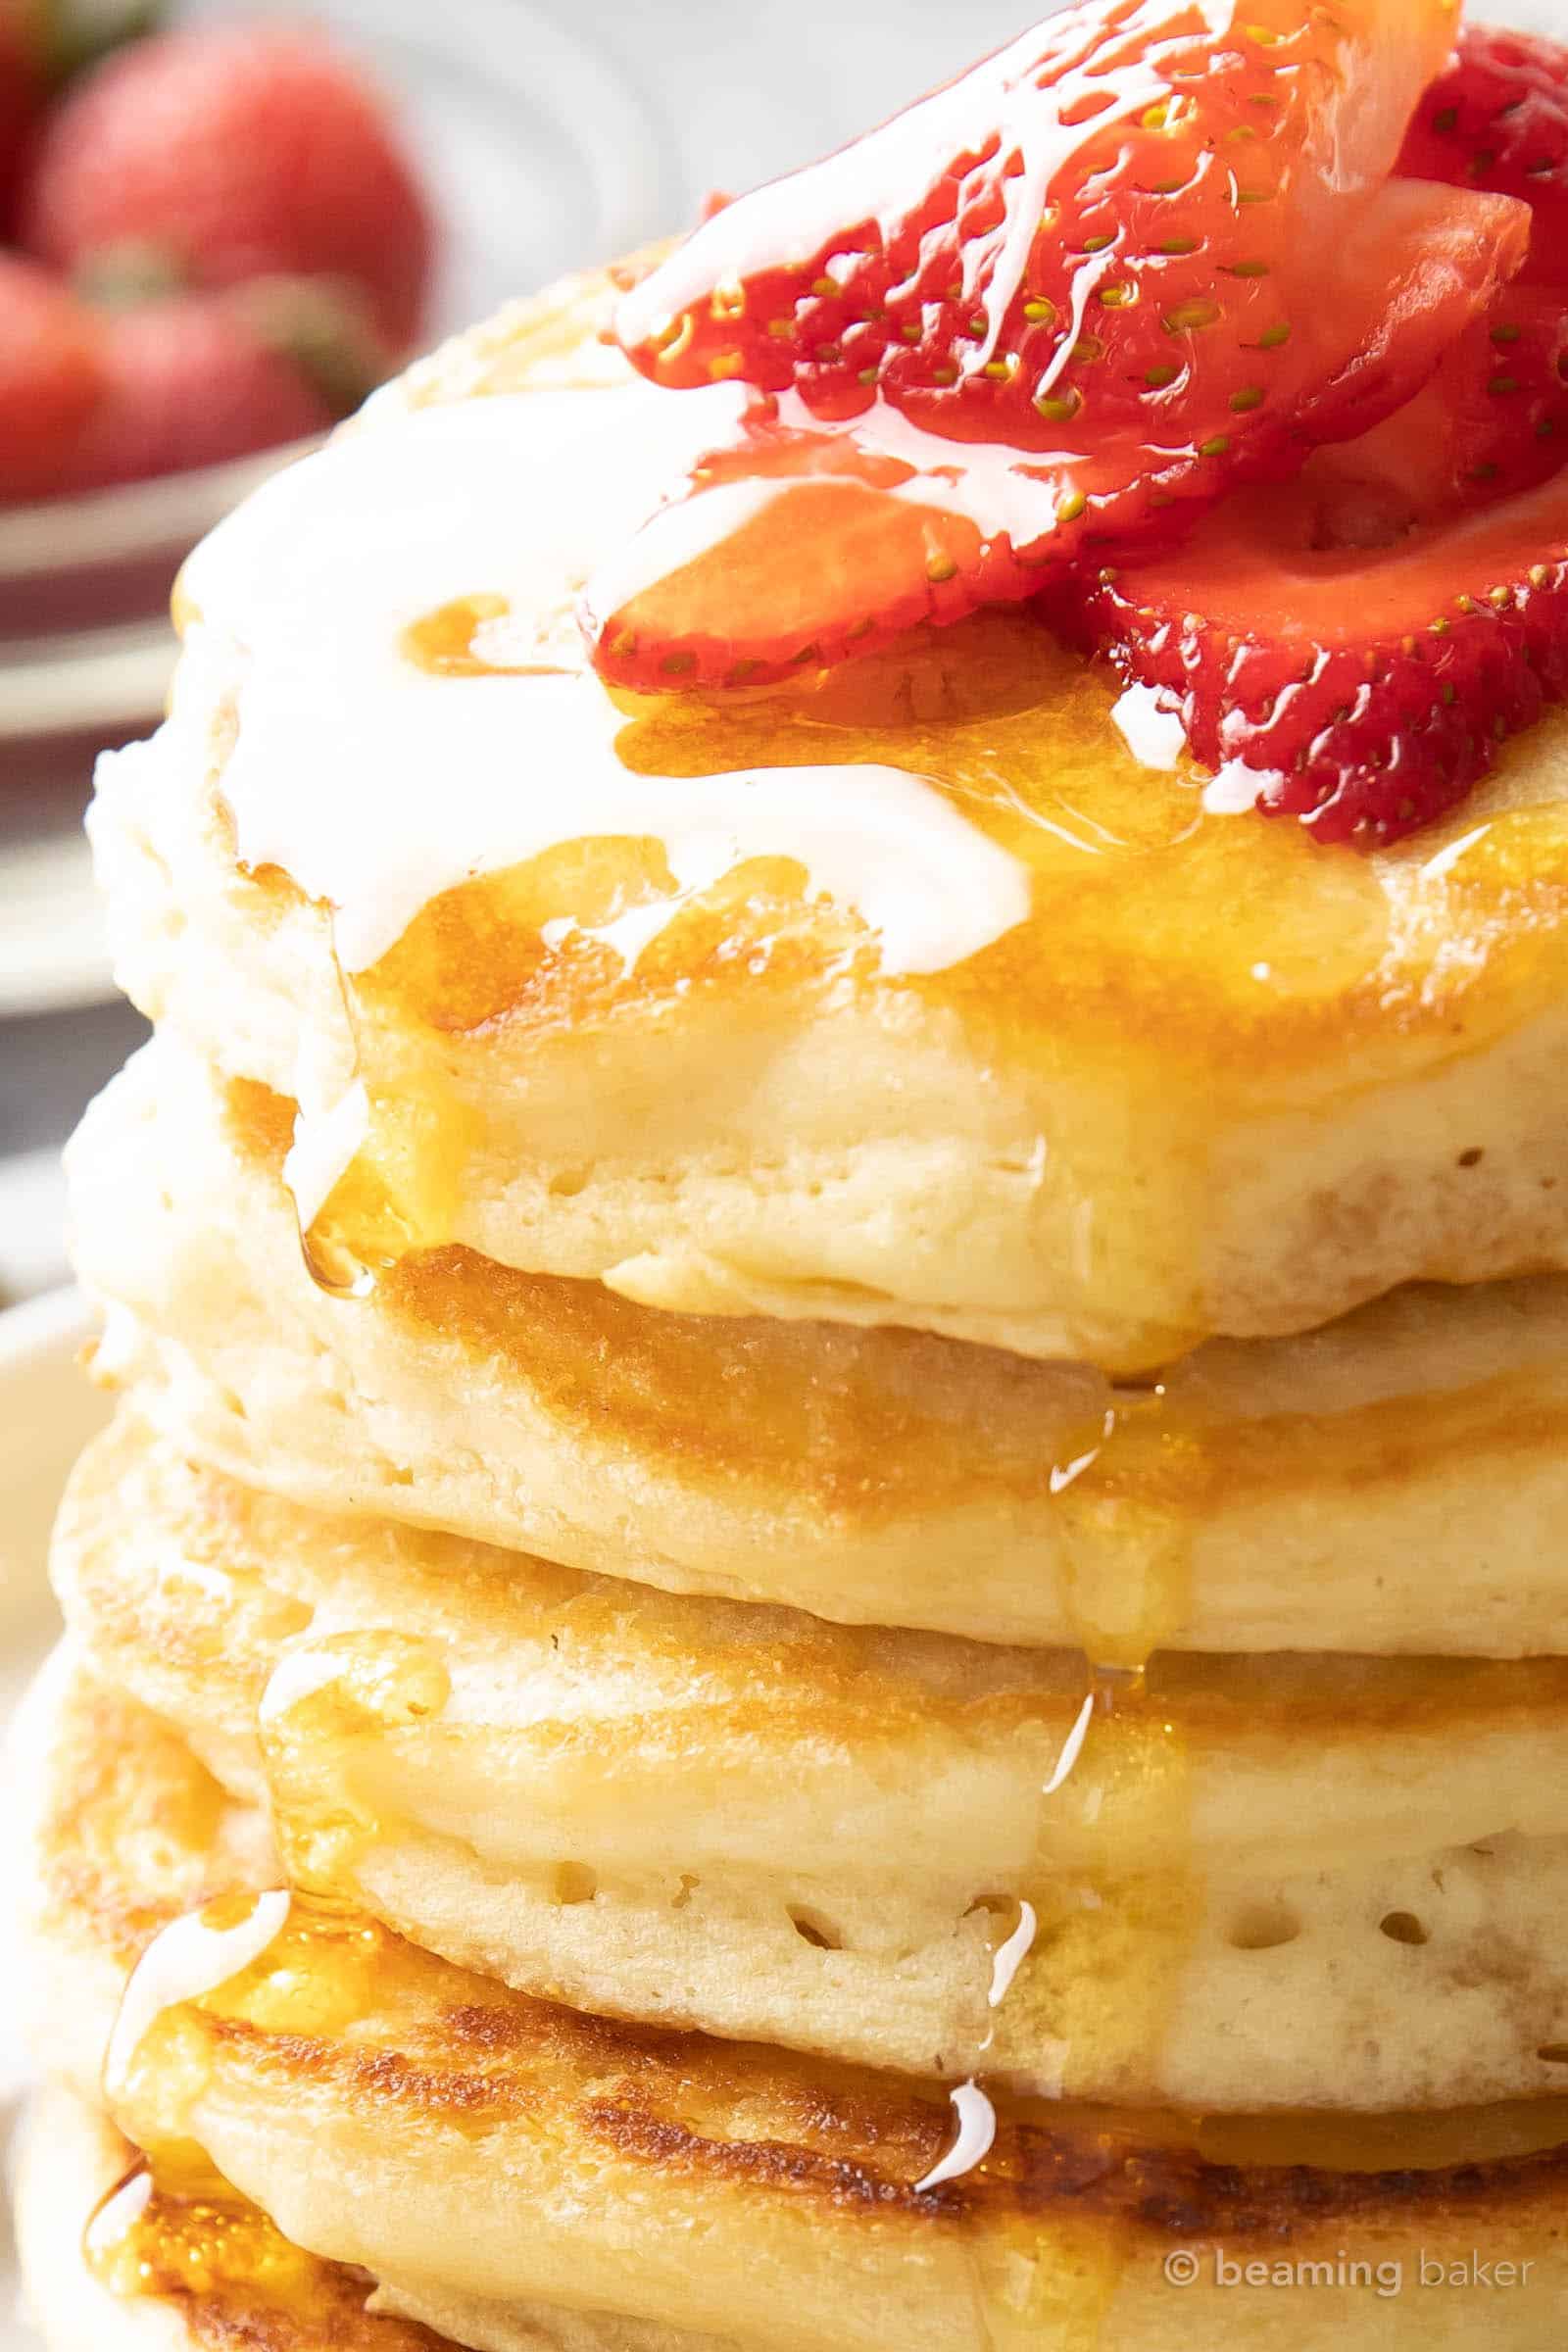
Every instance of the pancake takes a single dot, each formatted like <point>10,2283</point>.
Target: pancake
<point>71,2156</point>
<point>1397,1483</point>
<point>471,2148</point>
<point>251,2294</point>
<point>902,996</point>
<point>750,1823</point>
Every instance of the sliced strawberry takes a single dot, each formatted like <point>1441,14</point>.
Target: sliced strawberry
<point>1494,419</point>
<point>802,548</point>
<point>1363,689</point>
<point>1499,121</point>
<point>695,601</point>
<point>1127,250</point>
<point>1157,258</point>
<point>1505,394</point>
<point>1491,423</point>
<point>1355,650</point>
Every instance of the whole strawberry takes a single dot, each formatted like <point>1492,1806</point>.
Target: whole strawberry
<point>210,156</point>
<point>22,89</point>
<point>52,376</point>
<point>196,379</point>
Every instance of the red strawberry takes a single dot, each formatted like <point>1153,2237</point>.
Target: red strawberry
<point>51,377</point>
<point>21,94</point>
<point>1108,245</point>
<point>794,547</point>
<point>229,153</point>
<point>755,606</point>
<point>1136,282</point>
<point>1499,121</point>
<point>1501,395</point>
<point>1110,248</point>
<point>195,380</point>
<point>1363,689</point>
<point>1353,652</point>
<point>1492,423</point>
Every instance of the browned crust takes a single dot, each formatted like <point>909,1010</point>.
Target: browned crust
<point>494,2065</point>
<point>334,2320</point>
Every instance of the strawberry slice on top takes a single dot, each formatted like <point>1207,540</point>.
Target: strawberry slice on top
<point>1147,252</point>
<point>1492,423</point>
<point>1498,120</point>
<point>1494,419</point>
<point>1363,689</point>
<point>1356,650</point>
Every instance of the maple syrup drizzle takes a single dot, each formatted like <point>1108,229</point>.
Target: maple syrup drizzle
<point>162,2234</point>
<point>1099,1958</point>
<point>173,2225</point>
<point>376,1163</point>
<point>924,813</point>
<point>280,1962</point>
<point>355,672</point>
<point>322,1698</point>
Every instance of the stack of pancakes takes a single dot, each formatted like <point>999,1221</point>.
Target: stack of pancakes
<point>828,1612</point>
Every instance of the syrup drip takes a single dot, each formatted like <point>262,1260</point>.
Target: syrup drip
<point>377,1164</point>
<point>190,1959</point>
<point>173,2225</point>
<point>278,1962</point>
<point>323,1701</point>
<point>1103,1957</point>
<point>166,2233</point>
<point>1124,1491</point>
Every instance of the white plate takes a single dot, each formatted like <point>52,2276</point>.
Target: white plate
<point>47,1414</point>
<point>54,947</point>
<point>33,1228</point>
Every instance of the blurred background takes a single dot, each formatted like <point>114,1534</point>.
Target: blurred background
<point>532,136</point>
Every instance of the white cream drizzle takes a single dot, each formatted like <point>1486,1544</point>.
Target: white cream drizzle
<point>185,1963</point>
<point>376,785</point>
<point>974,2135</point>
<point>974,2115</point>
<point>1235,788</point>
<point>1152,732</point>
<point>1072,1747</point>
<point>326,1140</point>
<point>1010,1956</point>
<point>124,2210</point>
<point>297,1676</point>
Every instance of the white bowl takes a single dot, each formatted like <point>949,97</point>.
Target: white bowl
<point>539,157</point>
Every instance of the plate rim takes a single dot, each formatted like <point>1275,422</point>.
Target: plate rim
<point>48,1329</point>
